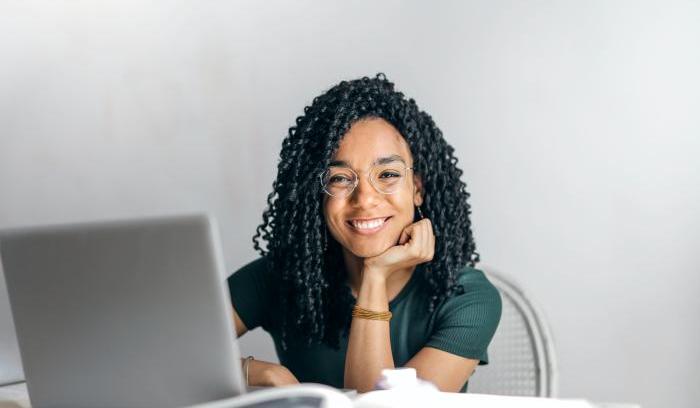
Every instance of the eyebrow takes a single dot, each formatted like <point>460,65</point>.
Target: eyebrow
<point>381,160</point>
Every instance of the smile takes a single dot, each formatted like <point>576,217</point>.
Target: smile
<point>368,226</point>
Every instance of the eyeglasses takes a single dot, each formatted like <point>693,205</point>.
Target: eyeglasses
<point>340,181</point>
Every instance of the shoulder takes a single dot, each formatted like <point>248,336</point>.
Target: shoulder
<point>476,284</point>
<point>479,302</point>
<point>259,265</point>
<point>258,269</point>
<point>252,290</point>
<point>256,274</point>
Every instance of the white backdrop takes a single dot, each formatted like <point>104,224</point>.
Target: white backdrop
<point>576,123</point>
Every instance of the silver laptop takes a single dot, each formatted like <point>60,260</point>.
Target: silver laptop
<point>122,314</point>
<point>10,365</point>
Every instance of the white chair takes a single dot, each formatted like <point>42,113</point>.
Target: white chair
<point>521,355</point>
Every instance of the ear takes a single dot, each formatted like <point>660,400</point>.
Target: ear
<point>417,190</point>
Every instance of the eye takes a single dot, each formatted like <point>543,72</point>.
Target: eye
<point>339,179</point>
<point>389,174</point>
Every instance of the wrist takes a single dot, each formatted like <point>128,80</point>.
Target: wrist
<point>246,368</point>
<point>372,292</point>
<point>253,375</point>
<point>374,275</point>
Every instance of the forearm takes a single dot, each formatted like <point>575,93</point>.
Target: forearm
<point>369,343</point>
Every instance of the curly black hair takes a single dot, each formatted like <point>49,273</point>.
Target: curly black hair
<point>315,298</point>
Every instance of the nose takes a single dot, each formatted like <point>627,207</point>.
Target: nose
<point>365,195</point>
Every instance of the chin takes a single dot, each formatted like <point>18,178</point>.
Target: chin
<point>366,254</point>
<point>367,251</point>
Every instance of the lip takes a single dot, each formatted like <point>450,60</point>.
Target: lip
<point>369,231</point>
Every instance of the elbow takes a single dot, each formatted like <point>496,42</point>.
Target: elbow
<point>360,388</point>
<point>359,385</point>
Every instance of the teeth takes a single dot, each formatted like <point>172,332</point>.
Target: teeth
<point>370,224</point>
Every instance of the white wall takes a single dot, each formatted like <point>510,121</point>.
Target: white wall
<point>576,123</point>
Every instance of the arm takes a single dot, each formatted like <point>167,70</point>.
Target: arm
<point>446,370</point>
<point>449,372</point>
<point>465,325</point>
<point>238,324</point>
<point>369,342</point>
<point>263,373</point>
<point>251,296</point>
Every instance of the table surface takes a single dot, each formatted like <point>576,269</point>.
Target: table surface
<point>15,396</point>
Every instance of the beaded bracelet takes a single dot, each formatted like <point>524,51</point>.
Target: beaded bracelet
<point>363,313</point>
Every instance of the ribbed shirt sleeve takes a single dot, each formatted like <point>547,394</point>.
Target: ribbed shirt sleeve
<point>466,323</point>
<point>252,293</point>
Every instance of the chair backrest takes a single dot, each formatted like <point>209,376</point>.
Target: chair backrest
<point>521,355</point>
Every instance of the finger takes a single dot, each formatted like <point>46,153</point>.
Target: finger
<point>427,239</point>
<point>406,234</point>
<point>417,239</point>
<point>431,244</point>
<point>430,224</point>
<point>431,232</point>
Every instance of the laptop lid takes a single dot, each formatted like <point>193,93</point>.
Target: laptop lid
<point>122,314</point>
<point>10,364</point>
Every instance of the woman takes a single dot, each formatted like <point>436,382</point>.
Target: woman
<point>369,250</point>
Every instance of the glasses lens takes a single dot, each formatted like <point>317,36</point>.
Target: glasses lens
<point>338,181</point>
<point>388,178</point>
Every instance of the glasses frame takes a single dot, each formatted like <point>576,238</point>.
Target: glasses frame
<point>357,181</point>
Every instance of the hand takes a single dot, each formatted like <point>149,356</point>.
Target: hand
<point>416,245</point>
<point>262,373</point>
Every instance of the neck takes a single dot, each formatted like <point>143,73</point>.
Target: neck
<point>395,282</point>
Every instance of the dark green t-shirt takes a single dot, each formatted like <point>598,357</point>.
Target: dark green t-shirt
<point>462,324</point>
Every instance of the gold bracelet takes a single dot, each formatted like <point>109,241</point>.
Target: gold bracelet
<point>246,363</point>
<point>363,313</point>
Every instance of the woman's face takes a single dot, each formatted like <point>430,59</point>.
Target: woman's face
<point>367,222</point>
